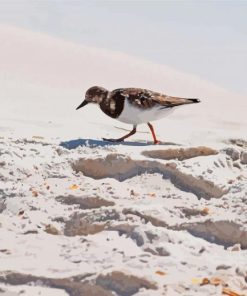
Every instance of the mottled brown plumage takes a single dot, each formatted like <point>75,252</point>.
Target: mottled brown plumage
<point>144,98</point>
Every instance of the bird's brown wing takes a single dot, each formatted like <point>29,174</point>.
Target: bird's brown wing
<point>144,98</point>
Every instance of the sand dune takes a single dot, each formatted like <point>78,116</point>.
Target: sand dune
<point>51,75</point>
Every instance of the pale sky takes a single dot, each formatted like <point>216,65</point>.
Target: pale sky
<point>205,38</point>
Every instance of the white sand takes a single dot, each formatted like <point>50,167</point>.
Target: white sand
<point>128,219</point>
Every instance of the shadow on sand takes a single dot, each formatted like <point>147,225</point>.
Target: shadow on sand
<point>73,144</point>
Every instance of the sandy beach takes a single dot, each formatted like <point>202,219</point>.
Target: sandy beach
<point>81,216</point>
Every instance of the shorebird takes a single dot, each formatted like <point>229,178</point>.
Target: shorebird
<point>134,106</point>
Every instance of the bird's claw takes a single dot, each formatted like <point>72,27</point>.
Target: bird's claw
<point>157,142</point>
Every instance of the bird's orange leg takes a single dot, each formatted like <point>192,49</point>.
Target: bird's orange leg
<point>153,133</point>
<point>124,137</point>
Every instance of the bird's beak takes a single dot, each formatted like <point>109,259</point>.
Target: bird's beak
<point>84,103</point>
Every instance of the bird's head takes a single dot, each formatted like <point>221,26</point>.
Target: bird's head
<point>95,95</point>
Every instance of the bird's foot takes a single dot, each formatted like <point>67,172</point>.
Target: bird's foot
<point>157,142</point>
<point>112,140</point>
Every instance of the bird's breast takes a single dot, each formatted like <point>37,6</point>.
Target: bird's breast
<point>112,107</point>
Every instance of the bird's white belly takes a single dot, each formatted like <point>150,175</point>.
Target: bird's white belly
<point>135,115</point>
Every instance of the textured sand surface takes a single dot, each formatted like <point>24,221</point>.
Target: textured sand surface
<point>80,216</point>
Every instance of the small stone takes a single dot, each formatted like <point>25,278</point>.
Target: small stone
<point>21,213</point>
<point>159,272</point>
<point>205,281</point>
<point>233,153</point>
<point>133,193</point>
<point>51,229</point>
<point>35,193</point>
<point>202,250</point>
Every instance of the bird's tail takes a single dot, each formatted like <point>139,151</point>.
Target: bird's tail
<point>170,102</point>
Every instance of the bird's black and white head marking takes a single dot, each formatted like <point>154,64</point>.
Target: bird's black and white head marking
<point>96,94</point>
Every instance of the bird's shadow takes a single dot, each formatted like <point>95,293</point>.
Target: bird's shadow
<point>73,144</point>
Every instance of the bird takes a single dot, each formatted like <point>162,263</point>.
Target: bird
<point>134,106</point>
